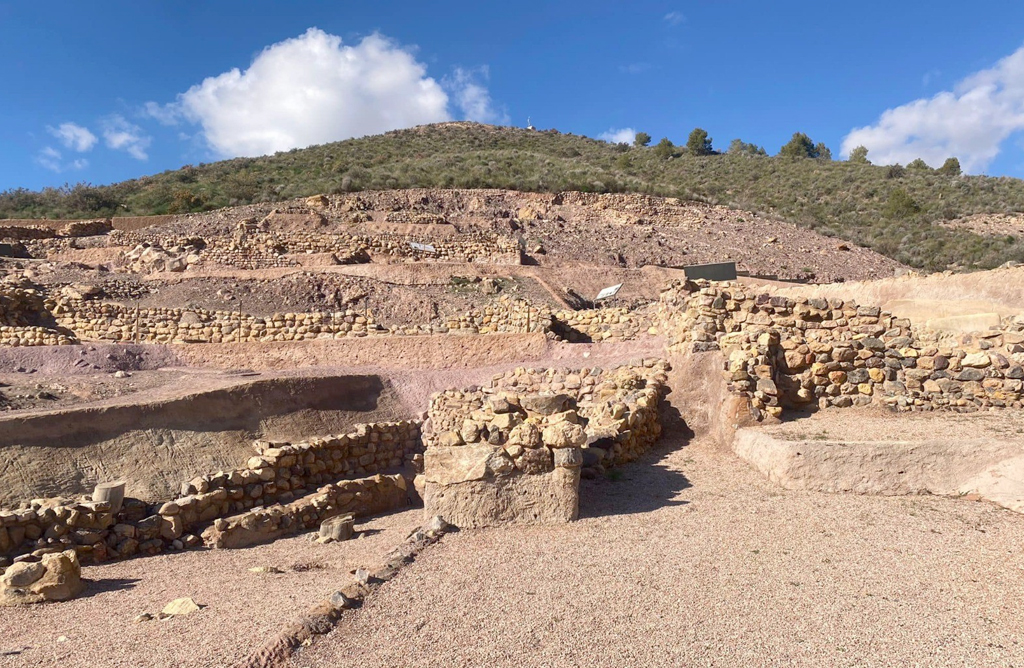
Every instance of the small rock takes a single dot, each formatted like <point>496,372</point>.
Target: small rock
<point>180,607</point>
<point>436,524</point>
<point>339,600</point>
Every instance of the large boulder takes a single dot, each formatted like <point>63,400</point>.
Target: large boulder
<point>56,577</point>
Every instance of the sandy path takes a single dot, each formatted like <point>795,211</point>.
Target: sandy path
<point>242,609</point>
<point>694,559</point>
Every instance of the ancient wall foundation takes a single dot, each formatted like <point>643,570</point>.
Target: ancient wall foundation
<point>514,452</point>
<point>299,477</point>
<point>783,353</point>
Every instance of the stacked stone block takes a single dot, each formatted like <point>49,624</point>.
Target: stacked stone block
<point>782,353</point>
<point>282,473</point>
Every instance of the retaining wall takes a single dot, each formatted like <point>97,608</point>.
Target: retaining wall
<point>280,474</point>
<point>784,353</point>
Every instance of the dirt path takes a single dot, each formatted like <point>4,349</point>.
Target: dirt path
<point>693,559</point>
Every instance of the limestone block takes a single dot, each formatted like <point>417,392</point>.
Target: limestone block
<point>548,498</point>
<point>337,528</point>
<point>60,580</point>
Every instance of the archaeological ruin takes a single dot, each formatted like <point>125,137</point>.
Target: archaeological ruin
<point>205,387</point>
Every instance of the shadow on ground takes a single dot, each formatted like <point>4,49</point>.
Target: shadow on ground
<point>97,587</point>
<point>641,486</point>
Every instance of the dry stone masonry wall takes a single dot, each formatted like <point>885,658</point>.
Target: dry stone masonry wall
<point>515,450</point>
<point>92,320</point>
<point>783,353</point>
<point>363,496</point>
<point>86,319</point>
<point>252,248</point>
<point>295,476</point>
<point>21,312</point>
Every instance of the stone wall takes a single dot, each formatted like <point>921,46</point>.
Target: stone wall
<point>363,496</point>
<point>252,248</point>
<point>36,229</point>
<point>68,316</point>
<point>601,324</point>
<point>515,451</point>
<point>783,353</point>
<point>91,320</point>
<point>618,407</point>
<point>22,314</point>
<point>281,473</point>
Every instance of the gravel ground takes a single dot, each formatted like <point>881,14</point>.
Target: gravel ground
<point>693,559</point>
<point>241,609</point>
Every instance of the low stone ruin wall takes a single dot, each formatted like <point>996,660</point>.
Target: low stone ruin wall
<point>36,229</point>
<point>782,353</point>
<point>20,307</point>
<point>504,315</point>
<point>600,324</point>
<point>515,451</point>
<point>22,310</point>
<point>29,317</point>
<point>360,497</point>
<point>91,320</point>
<point>80,319</point>
<point>252,248</point>
<point>281,473</point>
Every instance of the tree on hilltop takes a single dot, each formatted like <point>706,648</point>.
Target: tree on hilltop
<point>740,147</point>
<point>699,143</point>
<point>918,164</point>
<point>951,167</point>
<point>859,156</point>
<point>822,152</point>
<point>800,146</point>
<point>641,139</point>
<point>665,148</point>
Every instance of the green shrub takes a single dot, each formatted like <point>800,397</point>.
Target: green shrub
<point>900,205</point>
<point>951,167</point>
<point>699,143</point>
<point>665,148</point>
<point>859,156</point>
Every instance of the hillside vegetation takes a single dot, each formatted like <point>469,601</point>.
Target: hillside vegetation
<point>891,210</point>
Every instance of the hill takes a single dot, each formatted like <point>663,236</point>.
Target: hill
<point>901,213</point>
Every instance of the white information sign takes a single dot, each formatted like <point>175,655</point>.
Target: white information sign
<point>608,292</point>
<point>422,247</point>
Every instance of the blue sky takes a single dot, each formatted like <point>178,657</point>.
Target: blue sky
<point>101,92</point>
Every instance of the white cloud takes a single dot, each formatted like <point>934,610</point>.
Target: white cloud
<point>674,18</point>
<point>124,136</point>
<point>73,136</point>
<point>313,89</point>
<point>166,114</point>
<point>52,159</point>
<point>970,122</point>
<point>472,98</point>
<point>618,136</point>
